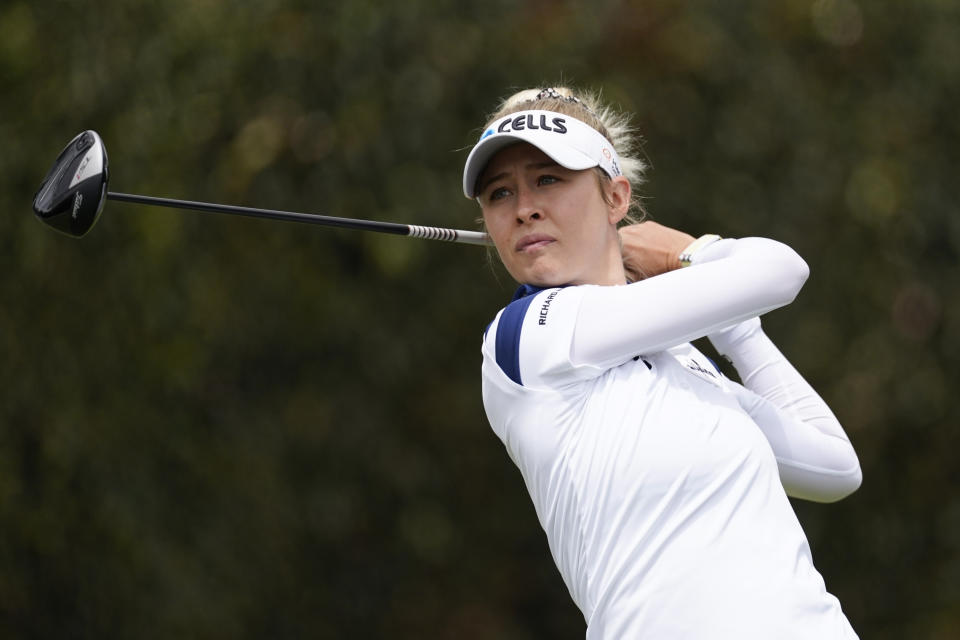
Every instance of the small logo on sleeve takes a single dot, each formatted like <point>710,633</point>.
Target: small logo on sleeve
<point>704,372</point>
<point>545,307</point>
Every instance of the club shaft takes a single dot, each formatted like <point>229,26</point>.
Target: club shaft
<point>428,233</point>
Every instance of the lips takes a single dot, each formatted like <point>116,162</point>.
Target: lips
<point>533,241</point>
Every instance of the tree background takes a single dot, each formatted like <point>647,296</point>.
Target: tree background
<point>222,427</point>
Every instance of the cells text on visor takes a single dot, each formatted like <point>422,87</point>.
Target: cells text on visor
<point>527,122</point>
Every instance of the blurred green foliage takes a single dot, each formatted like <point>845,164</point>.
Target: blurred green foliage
<point>223,428</point>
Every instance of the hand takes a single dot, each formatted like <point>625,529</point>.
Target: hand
<point>650,249</point>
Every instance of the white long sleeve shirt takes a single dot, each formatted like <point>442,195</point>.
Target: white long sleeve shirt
<point>661,485</point>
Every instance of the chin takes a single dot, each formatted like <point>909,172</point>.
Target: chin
<point>545,279</point>
<point>540,271</point>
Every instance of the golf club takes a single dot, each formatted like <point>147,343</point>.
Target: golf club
<point>72,195</point>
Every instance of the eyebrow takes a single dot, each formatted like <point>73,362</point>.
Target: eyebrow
<point>533,165</point>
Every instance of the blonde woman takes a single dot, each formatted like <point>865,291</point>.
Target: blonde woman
<point>661,485</point>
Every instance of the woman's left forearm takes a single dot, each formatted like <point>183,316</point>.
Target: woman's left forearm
<point>815,456</point>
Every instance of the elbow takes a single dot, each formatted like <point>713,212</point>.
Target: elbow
<point>799,272</point>
<point>844,486</point>
<point>786,270</point>
<point>844,476</point>
<point>778,270</point>
<point>821,485</point>
<point>792,274</point>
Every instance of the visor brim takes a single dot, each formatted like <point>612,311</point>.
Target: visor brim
<point>558,151</point>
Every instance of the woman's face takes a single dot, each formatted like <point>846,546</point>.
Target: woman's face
<point>551,225</point>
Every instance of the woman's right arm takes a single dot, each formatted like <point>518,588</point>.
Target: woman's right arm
<point>727,282</point>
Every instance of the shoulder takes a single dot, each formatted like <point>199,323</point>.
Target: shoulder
<point>535,322</point>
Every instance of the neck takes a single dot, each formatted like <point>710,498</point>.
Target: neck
<point>609,270</point>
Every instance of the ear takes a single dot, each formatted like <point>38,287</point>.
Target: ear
<point>618,198</point>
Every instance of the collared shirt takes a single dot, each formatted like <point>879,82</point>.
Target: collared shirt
<point>659,494</point>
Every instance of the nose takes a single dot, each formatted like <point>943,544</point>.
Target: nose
<point>527,207</point>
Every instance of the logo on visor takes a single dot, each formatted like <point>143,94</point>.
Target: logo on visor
<point>487,133</point>
<point>527,122</point>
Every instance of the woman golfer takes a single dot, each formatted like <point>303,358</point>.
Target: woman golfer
<point>661,484</point>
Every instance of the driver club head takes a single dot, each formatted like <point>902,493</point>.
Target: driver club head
<point>71,196</point>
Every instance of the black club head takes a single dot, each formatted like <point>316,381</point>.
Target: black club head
<point>71,196</point>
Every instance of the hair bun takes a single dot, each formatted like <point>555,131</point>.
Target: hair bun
<point>553,94</point>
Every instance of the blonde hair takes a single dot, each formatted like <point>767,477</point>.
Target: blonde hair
<point>587,107</point>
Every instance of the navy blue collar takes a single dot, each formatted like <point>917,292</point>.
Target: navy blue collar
<point>530,290</point>
<point>526,290</point>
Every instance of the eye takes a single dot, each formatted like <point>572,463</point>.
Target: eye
<point>547,179</point>
<point>498,194</point>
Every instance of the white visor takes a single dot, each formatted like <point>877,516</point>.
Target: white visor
<point>569,142</point>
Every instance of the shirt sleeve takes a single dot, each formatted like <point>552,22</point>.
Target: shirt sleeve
<point>729,281</point>
<point>560,336</point>
<point>814,455</point>
<point>530,339</point>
